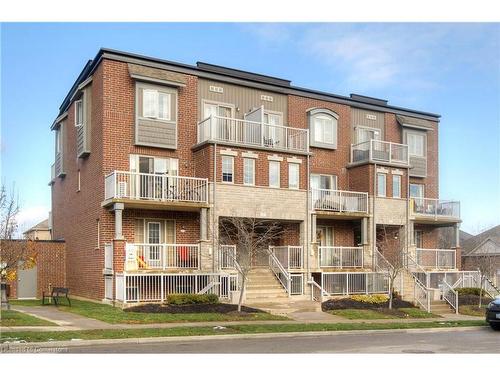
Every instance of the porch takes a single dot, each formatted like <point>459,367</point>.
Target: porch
<point>437,259</point>
<point>377,151</point>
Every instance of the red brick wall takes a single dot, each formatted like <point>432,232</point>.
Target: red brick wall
<point>343,231</point>
<point>51,267</point>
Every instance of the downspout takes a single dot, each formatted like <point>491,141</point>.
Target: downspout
<point>308,228</point>
<point>374,223</point>
<point>214,216</point>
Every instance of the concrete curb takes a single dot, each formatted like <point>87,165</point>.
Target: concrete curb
<point>76,343</point>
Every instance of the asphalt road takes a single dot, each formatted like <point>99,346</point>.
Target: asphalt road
<point>478,340</point>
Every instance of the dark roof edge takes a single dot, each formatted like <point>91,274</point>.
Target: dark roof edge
<point>276,82</point>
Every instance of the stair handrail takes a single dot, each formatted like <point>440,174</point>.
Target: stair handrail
<point>378,254</point>
<point>273,260</point>
<point>450,295</point>
<point>419,268</point>
<point>323,292</point>
<point>489,287</point>
<point>425,291</point>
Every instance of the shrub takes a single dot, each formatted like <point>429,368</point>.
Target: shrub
<point>371,298</point>
<point>189,299</point>
<point>469,291</point>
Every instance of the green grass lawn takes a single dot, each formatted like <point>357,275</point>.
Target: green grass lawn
<point>11,318</point>
<point>237,329</point>
<point>113,315</point>
<point>368,314</point>
<point>472,310</point>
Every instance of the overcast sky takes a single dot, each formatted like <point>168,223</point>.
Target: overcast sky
<point>450,69</point>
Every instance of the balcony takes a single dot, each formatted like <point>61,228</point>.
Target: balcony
<point>435,209</point>
<point>253,134</point>
<point>375,151</point>
<point>340,257</point>
<point>150,189</point>
<point>165,256</point>
<point>291,257</point>
<point>339,201</point>
<point>440,259</point>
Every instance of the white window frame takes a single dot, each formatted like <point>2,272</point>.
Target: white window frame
<point>377,133</point>
<point>412,145</point>
<point>396,177</point>
<point>422,190</point>
<point>58,140</point>
<point>333,180</point>
<point>223,164</point>
<point>249,162</point>
<point>320,134</point>
<point>295,185</point>
<point>154,112</point>
<point>379,190</point>
<point>272,165</point>
<point>78,113</point>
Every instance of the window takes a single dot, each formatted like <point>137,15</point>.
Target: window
<point>324,236</point>
<point>418,238</point>
<point>274,174</point>
<point>381,185</point>
<point>364,134</point>
<point>323,181</point>
<point>98,233</point>
<point>416,144</point>
<point>228,169</point>
<point>79,181</point>
<point>248,171</point>
<point>272,118</point>
<point>416,191</point>
<point>323,125</point>
<point>293,175</point>
<point>156,104</point>
<point>396,186</point>
<point>58,141</point>
<point>79,112</point>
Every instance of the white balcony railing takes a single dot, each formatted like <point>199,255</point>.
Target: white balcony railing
<point>437,258</point>
<point>339,200</point>
<point>435,207</point>
<point>380,151</point>
<point>156,187</point>
<point>340,257</point>
<point>251,133</point>
<point>347,283</point>
<point>166,256</point>
<point>291,257</point>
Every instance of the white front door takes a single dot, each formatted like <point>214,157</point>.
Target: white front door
<point>153,251</point>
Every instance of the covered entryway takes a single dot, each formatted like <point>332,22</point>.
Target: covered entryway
<point>26,283</point>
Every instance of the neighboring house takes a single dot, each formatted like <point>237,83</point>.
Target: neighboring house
<point>40,231</point>
<point>150,155</point>
<point>479,248</point>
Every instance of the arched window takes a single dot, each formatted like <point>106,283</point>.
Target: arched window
<point>323,128</point>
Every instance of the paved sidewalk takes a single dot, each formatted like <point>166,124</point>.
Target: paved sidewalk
<point>71,322</point>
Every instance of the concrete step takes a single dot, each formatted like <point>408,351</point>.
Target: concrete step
<point>263,286</point>
<point>266,292</point>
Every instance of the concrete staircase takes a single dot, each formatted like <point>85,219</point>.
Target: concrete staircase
<point>439,307</point>
<point>263,287</point>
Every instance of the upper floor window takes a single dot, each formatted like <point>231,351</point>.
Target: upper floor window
<point>416,191</point>
<point>416,144</point>
<point>217,109</point>
<point>293,175</point>
<point>274,174</point>
<point>79,112</point>
<point>156,104</point>
<point>58,141</point>
<point>248,171</point>
<point>365,134</point>
<point>323,128</point>
<point>154,165</point>
<point>273,118</point>
<point>227,169</point>
<point>396,186</point>
<point>323,181</point>
<point>381,185</point>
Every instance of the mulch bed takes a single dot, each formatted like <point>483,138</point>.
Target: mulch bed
<point>222,308</point>
<point>347,303</point>
<point>469,299</point>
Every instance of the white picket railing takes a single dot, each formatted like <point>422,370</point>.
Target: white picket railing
<point>347,283</point>
<point>317,292</point>
<point>450,295</point>
<point>421,295</point>
<point>380,151</point>
<point>164,256</point>
<point>435,207</point>
<point>296,284</point>
<point>227,257</point>
<point>339,200</point>
<point>340,257</point>
<point>436,258</point>
<point>280,272</point>
<point>252,133</point>
<point>156,187</point>
<point>291,257</point>
<point>137,287</point>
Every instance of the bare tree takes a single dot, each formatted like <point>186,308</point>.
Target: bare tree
<point>13,253</point>
<point>485,267</point>
<point>391,243</point>
<point>252,238</point>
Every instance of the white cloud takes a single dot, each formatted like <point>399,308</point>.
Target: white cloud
<point>30,216</point>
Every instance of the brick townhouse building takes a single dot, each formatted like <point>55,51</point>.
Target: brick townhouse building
<point>151,154</point>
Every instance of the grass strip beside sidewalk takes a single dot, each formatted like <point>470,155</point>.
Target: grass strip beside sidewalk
<point>234,329</point>
<point>12,318</point>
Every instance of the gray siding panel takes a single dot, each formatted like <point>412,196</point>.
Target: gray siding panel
<point>369,119</point>
<point>419,166</point>
<point>244,98</point>
<point>157,133</point>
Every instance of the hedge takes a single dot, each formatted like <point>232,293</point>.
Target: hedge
<point>188,299</point>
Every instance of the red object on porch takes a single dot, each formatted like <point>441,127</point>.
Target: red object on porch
<point>183,253</point>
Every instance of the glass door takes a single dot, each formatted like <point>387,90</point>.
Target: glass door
<point>153,252</point>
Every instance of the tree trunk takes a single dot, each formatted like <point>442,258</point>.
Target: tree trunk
<point>242,291</point>
<point>481,291</point>
<point>391,293</point>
